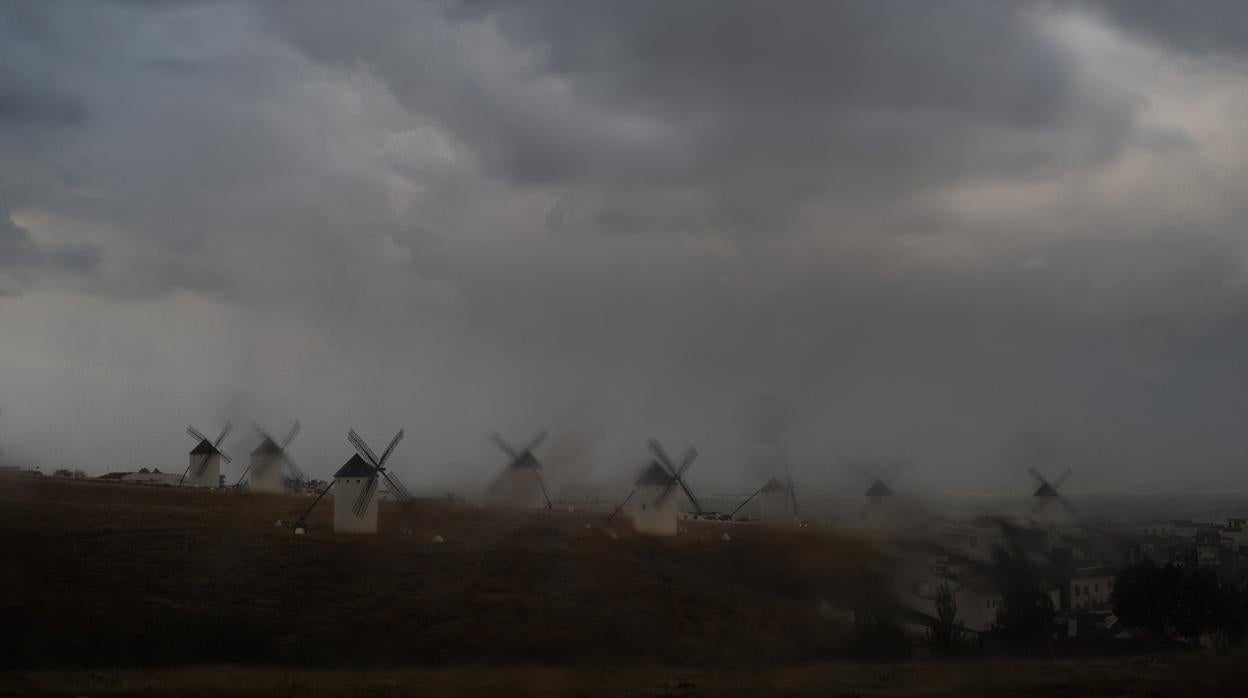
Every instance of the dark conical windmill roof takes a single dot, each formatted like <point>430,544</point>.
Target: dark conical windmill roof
<point>655,476</point>
<point>879,489</point>
<point>203,448</point>
<point>267,448</point>
<point>526,460</point>
<point>774,485</point>
<point>356,467</point>
<point>1046,490</point>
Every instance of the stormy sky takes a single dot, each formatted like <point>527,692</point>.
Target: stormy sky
<point>971,236</point>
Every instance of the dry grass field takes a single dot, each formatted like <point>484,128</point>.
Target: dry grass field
<point>112,589</point>
<point>112,574</point>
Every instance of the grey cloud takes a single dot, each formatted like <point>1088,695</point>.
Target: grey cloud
<point>22,104</point>
<point>1207,26</point>
<point>827,231</point>
<point>734,111</point>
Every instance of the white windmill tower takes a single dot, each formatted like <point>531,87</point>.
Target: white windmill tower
<point>776,501</point>
<point>270,461</point>
<point>520,484</point>
<point>880,496</point>
<point>655,511</point>
<point>1048,493</point>
<point>204,466</point>
<point>355,502</point>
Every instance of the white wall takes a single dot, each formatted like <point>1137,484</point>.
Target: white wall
<point>266,474</point>
<point>346,491</point>
<point>651,519</point>
<point>211,475</point>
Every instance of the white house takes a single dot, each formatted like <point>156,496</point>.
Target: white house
<point>266,468</point>
<point>201,474</point>
<point>655,508</point>
<point>773,502</point>
<point>518,484</point>
<point>349,482</point>
<point>1091,587</point>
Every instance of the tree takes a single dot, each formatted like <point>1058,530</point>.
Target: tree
<point>880,635</point>
<point>1146,595</point>
<point>1199,608</point>
<point>945,631</point>
<point>1026,613</point>
<point>1190,602</point>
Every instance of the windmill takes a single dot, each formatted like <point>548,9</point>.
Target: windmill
<point>521,483</point>
<point>656,509</point>
<point>880,493</point>
<point>355,504</point>
<point>1048,492</point>
<point>777,501</point>
<point>204,468</point>
<point>267,460</point>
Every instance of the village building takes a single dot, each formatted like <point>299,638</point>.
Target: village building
<point>1091,587</point>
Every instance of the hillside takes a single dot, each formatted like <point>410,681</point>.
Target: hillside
<point>116,575</point>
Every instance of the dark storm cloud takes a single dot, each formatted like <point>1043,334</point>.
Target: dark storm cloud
<point>808,231</point>
<point>22,104</point>
<point>1203,27</point>
<point>737,112</point>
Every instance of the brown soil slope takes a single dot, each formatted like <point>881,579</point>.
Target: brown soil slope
<point>114,575</point>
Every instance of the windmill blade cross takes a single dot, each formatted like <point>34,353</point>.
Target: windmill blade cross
<point>541,436</point>
<point>245,471</point>
<point>261,432</point>
<point>1062,478</point>
<point>1038,475</point>
<point>505,447</point>
<point>658,503</point>
<point>294,429</point>
<point>385,456</point>
<point>697,506</point>
<point>366,497</point>
<point>294,468</point>
<point>225,456</point>
<point>362,448</point>
<point>657,449</point>
<point>196,434</point>
<point>689,457</point>
<point>397,488</point>
<point>1066,503</point>
<point>224,433</point>
<point>866,472</point>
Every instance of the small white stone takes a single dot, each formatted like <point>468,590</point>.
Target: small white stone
<point>299,531</point>
<point>724,537</point>
<point>279,524</point>
<point>612,534</point>
<point>439,539</point>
